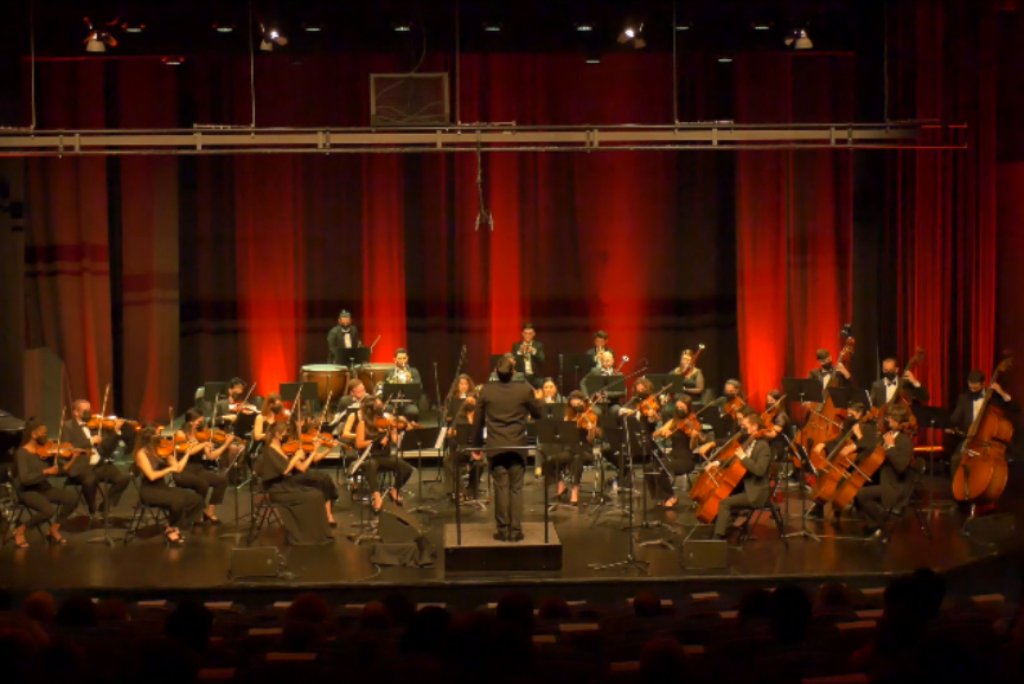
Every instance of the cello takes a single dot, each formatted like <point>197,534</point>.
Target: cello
<point>981,475</point>
<point>837,466</point>
<point>861,473</point>
<point>720,485</point>
<point>826,423</point>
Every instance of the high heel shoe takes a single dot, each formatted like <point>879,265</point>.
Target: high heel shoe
<point>56,541</point>
<point>210,520</point>
<point>23,544</point>
<point>176,541</point>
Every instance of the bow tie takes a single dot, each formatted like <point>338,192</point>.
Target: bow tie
<point>890,383</point>
<point>975,396</point>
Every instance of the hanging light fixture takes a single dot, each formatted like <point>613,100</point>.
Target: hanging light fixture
<point>99,37</point>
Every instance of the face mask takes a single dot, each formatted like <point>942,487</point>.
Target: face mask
<point>889,375</point>
<point>86,416</point>
<point>278,408</point>
<point>41,440</point>
<point>826,367</point>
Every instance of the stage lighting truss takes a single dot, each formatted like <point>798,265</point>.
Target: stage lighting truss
<point>99,37</point>
<point>632,32</point>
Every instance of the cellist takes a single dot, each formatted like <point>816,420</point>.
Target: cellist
<point>967,406</point>
<point>874,501</point>
<point>863,441</point>
<point>757,459</point>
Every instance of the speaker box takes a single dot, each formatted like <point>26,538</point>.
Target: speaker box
<point>992,529</point>
<point>705,554</point>
<point>258,561</point>
<point>397,526</point>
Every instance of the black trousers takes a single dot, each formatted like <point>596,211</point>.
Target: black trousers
<point>183,506</point>
<point>573,460</point>
<point>387,462</point>
<point>660,484</point>
<point>207,484</point>
<point>476,469</point>
<point>726,508</point>
<point>102,472</point>
<point>874,503</point>
<point>48,503</point>
<point>508,471</point>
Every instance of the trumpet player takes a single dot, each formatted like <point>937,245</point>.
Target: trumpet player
<point>529,356</point>
<point>404,374</point>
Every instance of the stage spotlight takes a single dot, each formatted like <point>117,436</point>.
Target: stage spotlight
<point>725,60</point>
<point>223,28</point>
<point>633,32</point>
<point>402,27</point>
<point>682,27</point>
<point>173,61</point>
<point>99,37</point>
<point>313,27</point>
<point>761,26</point>
<point>593,59</point>
<point>132,27</point>
<point>492,27</point>
<point>584,27</point>
<point>799,40</point>
<point>271,37</point>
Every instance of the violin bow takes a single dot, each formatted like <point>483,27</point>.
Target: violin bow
<point>103,408</point>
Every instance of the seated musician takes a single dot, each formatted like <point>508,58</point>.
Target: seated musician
<point>183,506</point>
<point>272,412</point>
<point>967,406</point>
<point>680,458</point>
<point>47,503</point>
<point>757,459</point>
<point>300,508</point>
<point>693,377</point>
<point>464,387</point>
<point>600,346</point>
<point>97,464</point>
<point>730,403</point>
<point>591,383</point>
<point>348,416</point>
<point>308,476</point>
<point>874,501</point>
<point>404,374</point>
<point>574,456</point>
<point>380,440</point>
<point>517,376</point>
<point>863,441</point>
<point>643,389</point>
<point>234,403</point>
<point>885,388</point>
<point>548,392</point>
<point>199,456</point>
<point>474,461</point>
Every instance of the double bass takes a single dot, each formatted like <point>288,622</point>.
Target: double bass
<point>981,475</point>
<point>826,423</point>
<point>899,397</point>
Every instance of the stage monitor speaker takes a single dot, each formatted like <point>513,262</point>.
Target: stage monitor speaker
<point>705,554</point>
<point>992,529</point>
<point>258,561</point>
<point>397,526</point>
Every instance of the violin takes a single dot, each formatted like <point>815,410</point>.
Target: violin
<point>651,406</point>
<point>109,423</point>
<point>242,408</point>
<point>165,448</point>
<point>732,406</point>
<point>396,422</point>
<point>64,450</point>
<point>215,436</point>
<point>587,419</point>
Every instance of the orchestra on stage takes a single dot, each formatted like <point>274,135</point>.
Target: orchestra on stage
<point>849,449</point>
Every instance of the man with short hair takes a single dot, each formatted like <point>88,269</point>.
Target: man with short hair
<point>529,355</point>
<point>342,338</point>
<point>600,346</point>
<point>503,408</point>
<point>404,374</point>
<point>885,389</point>
<point>967,406</point>
<point>95,465</point>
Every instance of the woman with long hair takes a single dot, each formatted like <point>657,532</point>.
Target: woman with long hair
<point>379,441</point>
<point>200,456</point>
<point>183,506</point>
<point>301,508</point>
<point>47,503</point>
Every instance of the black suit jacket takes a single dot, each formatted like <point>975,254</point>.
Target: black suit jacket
<point>918,394</point>
<point>75,435</point>
<point>537,360</point>
<point>898,460</point>
<point>963,414</point>
<point>336,344</point>
<point>757,463</point>
<point>840,379</point>
<point>504,407</point>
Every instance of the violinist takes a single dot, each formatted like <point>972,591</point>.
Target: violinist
<point>473,460</point>
<point>693,377</point>
<point>863,441</point>
<point>885,388</point>
<point>639,404</point>
<point>349,417</point>
<point>234,403</point>
<point>967,406</point>
<point>47,503</point>
<point>600,346</point>
<point>370,435</point>
<point>606,369</point>
<point>404,374</point>
<point>94,466</point>
<point>183,506</point>
<point>683,429</point>
<point>301,508</point>
<point>529,355</point>
<point>465,387</point>
<point>272,412</point>
<point>757,459</point>
<point>194,475</point>
<point>341,339</point>
<point>307,476</point>
<point>573,456</point>
<point>874,501</point>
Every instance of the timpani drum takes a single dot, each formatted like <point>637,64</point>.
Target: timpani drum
<point>329,379</point>
<point>373,374</point>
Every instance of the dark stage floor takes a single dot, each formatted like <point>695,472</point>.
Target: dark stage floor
<point>147,565</point>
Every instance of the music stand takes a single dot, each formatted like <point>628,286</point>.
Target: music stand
<point>461,444</point>
<point>578,363</point>
<point>721,424</point>
<point>804,389</point>
<point>673,380</point>
<point>357,356</point>
<point>554,411</point>
<point>212,392</point>
<point>561,433</point>
<point>614,383</point>
<point>419,437</point>
<point>401,392</point>
<point>932,418</point>
<point>309,393</point>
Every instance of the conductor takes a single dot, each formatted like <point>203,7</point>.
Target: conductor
<point>503,407</point>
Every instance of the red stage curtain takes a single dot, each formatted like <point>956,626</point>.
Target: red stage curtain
<point>67,258</point>
<point>942,205</point>
<point>149,220</point>
<point>794,223</point>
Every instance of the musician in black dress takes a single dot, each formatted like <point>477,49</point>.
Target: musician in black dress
<point>680,460</point>
<point>572,456</point>
<point>47,503</point>
<point>183,506</point>
<point>874,501</point>
<point>474,461</point>
<point>379,441</point>
<point>639,420</point>
<point>201,471</point>
<point>342,338</point>
<point>757,459</point>
<point>693,377</point>
<point>318,479</point>
<point>301,508</point>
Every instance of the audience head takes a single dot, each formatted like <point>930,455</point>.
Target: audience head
<point>17,651</point>
<point>427,631</point>
<point>400,608</point>
<point>309,607</point>
<point>375,616</point>
<point>112,610</point>
<point>833,596</point>
<point>555,608</point>
<point>191,624</point>
<point>755,604</point>
<point>165,660</point>
<point>516,609</point>
<point>791,614</point>
<point>661,660</point>
<point>646,604</point>
<point>929,592</point>
<point>39,606</point>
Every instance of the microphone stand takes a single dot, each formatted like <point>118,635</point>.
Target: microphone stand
<point>803,531</point>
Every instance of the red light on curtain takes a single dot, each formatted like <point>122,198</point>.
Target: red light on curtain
<point>505,287</point>
<point>383,245</point>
